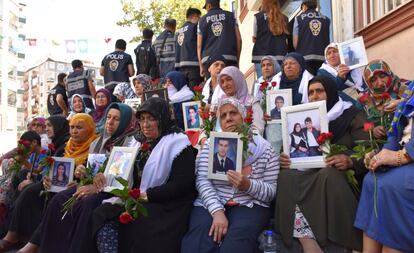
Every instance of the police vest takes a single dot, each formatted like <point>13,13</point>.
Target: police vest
<point>266,42</point>
<point>77,83</point>
<point>186,46</point>
<point>52,105</point>
<point>219,37</point>
<point>116,67</point>
<point>166,54</point>
<point>313,35</point>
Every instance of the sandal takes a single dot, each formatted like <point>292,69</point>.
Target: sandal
<point>7,246</point>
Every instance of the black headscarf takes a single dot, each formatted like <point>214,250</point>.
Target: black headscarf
<point>285,83</point>
<point>340,125</point>
<point>61,133</point>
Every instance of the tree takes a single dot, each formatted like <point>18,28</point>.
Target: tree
<point>152,15</point>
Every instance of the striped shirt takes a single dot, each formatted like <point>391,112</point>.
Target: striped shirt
<point>214,194</point>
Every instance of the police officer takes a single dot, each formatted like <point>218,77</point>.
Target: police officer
<point>164,46</point>
<point>218,33</point>
<point>80,82</point>
<point>57,100</point>
<point>117,66</point>
<point>186,60</point>
<point>311,35</point>
<point>145,55</point>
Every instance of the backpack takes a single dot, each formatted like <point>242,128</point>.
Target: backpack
<point>142,53</point>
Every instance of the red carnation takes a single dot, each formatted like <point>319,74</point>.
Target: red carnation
<point>50,160</point>
<point>125,218</point>
<point>321,139</point>
<point>198,88</point>
<point>363,99</point>
<point>368,126</point>
<point>249,117</point>
<point>204,115</point>
<point>263,86</point>
<point>134,193</point>
<point>43,152</point>
<point>385,96</point>
<point>274,84</point>
<point>329,135</point>
<point>51,147</point>
<point>145,147</point>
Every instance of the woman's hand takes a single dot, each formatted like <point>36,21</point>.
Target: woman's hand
<point>343,71</point>
<point>80,171</point>
<point>23,184</point>
<point>238,180</point>
<point>99,181</point>
<point>284,161</point>
<point>392,105</point>
<point>384,158</point>
<point>47,183</point>
<point>379,132</point>
<point>340,162</point>
<point>367,158</point>
<point>266,117</point>
<point>219,226</point>
<point>85,191</point>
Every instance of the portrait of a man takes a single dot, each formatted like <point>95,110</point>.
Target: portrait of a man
<point>222,162</point>
<point>279,103</point>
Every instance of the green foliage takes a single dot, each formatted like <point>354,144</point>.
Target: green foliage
<point>142,14</point>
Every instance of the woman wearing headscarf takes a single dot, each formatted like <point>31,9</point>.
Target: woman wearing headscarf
<point>388,222</point>
<point>211,90</point>
<point>178,93</point>
<point>232,82</point>
<point>28,208</point>
<point>103,99</point>
<point>298,147</point>
<point>270,67</point>
<point>317,206</point>
<point>165,177</point>
<point>120,127</point>
<point>348,81</point>
<point>77,105</point>
<point>142,83</point>
<point>124,91</point>
<point>380,79</point>
<point>39,125</point>
<point>229,215</point>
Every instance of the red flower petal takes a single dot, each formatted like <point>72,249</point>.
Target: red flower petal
<point>134,193</point>
<point>368,126</point>
<point>125,218</point>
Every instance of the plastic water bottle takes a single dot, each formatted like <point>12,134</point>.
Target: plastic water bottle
<point>270,245</point>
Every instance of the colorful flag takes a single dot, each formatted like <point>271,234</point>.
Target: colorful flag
<point>55,43</point>
<point>70,46</point>
<point>32,42</point>
<point>107,40</point>
<point>83,46</point>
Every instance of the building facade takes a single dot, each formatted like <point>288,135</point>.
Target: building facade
<point>12,55</point>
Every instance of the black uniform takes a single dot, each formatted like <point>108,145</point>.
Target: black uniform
<point>219,36</point>
<point>313,37</point>
<point>164,47</point>
<point>77,83</point>
<point>186,60</point>
<point>52,105</point>
<point>116,69</point>
<point>146,62</point>
<point>266,42</point>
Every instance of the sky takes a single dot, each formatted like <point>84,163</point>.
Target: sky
<point>50,21</point>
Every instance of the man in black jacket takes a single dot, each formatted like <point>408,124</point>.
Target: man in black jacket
<point>146,62</point>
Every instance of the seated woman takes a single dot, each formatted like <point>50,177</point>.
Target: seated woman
<point>124,91</point>
<point>28,207</point>
<point>165,176</point>
<point>103,99</point>
<point>348,81</point>
<point>232,82</point>
<point>228,216</point>
<point>211,90</point>
<point>317,206</point>
<point>178,93</point>
<point>388,222</point>
<point>77,105</point>
<point>141,83</point>
<point>298,147</point>
<point>270,67</point>
<point>380,79</point>
<point>120,128</point>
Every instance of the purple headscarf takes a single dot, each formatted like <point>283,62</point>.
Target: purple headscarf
<point>242,93</point>
<point>100,110</point>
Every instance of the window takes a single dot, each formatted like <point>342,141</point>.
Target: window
<point>11,98</point>
<point>13,21</point>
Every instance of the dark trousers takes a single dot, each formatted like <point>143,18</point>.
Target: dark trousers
<point>245,225</point>
<point>192,74</point>
<point>313,65</point>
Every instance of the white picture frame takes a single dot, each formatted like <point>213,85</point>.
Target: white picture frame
<point>352,53</point>
<point>120,164</point>
<point>194,106</point>
<point>134,103</point>
<point>234,154</point>
<point>299,143</point>
<point>271,96</point>
<point>59,184</point>
<point>95,161</point>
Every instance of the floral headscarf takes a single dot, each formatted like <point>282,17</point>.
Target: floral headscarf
<point>125,90</point>
<point>145,80</point>
<point>236,103</point>
<point>379,66</point>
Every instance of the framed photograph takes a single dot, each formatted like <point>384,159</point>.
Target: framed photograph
<point>61,173</point>
<point>192,119</point>
<point>120,164</point>
<point>161,93</point>
<point>134,103</point>
<point>95,162</point>
<point>352,53</point>
<point>226,152</point>
<point>301,126</point>
<point>275,101</point>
